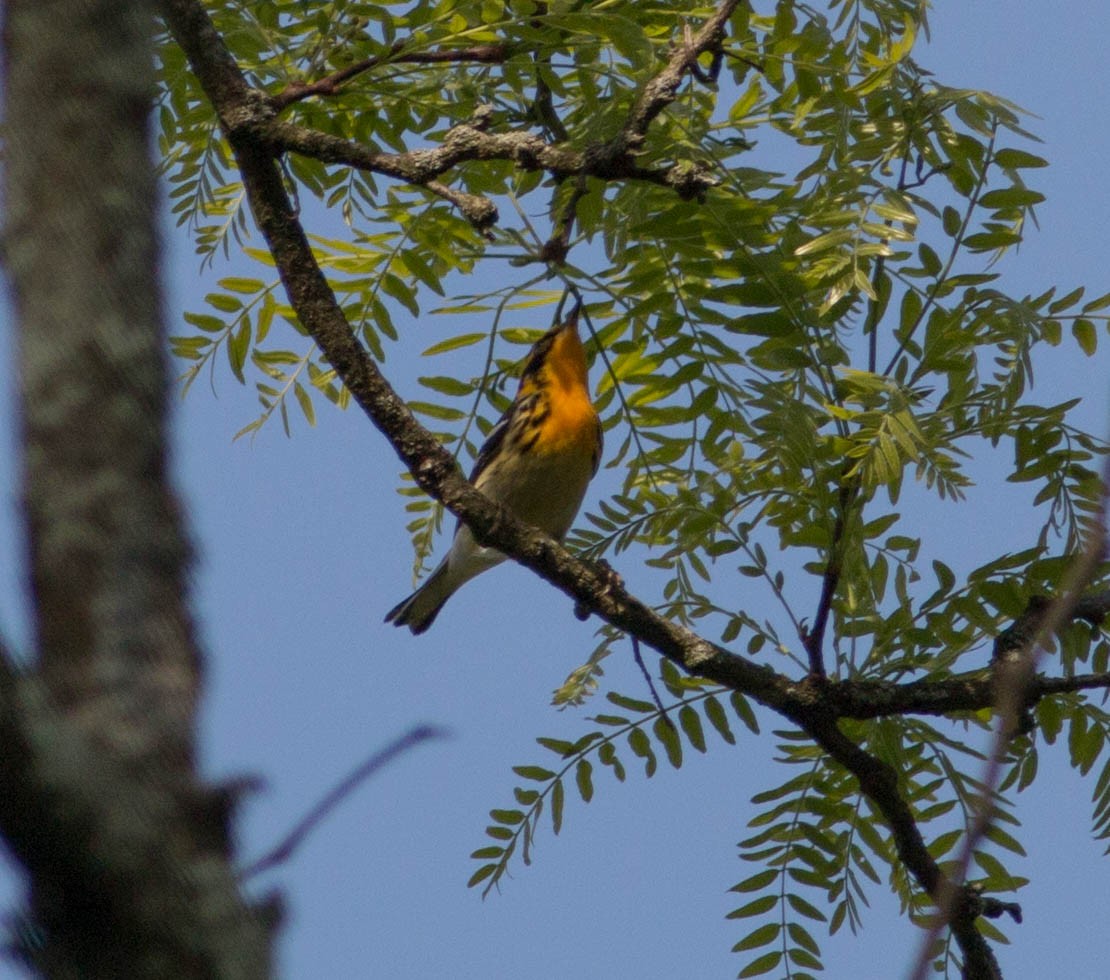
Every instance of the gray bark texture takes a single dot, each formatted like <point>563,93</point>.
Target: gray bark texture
<point>126,851</point>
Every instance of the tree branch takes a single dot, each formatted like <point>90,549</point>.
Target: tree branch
<point>466,142</point>
<point>661,90</point>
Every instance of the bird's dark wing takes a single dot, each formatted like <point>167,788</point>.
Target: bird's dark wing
<point>493,443</point>
<point>600,447</point>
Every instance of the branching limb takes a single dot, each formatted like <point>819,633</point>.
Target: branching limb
<point>465,143</point>
<point>879,783</point>
<point>660,92</point>
<point>241,108</point>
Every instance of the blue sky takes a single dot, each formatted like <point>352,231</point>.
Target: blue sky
<point>302,548</point>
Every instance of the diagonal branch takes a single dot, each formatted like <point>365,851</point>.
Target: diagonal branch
<point>331,800</point>
<point>660,92</point>
<point>432,466</point>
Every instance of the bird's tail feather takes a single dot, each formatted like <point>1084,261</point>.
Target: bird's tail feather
<point>420,609</point>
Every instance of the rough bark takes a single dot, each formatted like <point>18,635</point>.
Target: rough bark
<point>125,849</point>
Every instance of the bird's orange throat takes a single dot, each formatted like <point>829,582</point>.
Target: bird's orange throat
<point>571,421</point>
<point>566,362</point>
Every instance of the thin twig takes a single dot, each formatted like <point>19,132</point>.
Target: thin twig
<point>814,639</point>
<point>483,54</point>
<point>555,249</point>
<point>650,683</point>
<point>331,800</point>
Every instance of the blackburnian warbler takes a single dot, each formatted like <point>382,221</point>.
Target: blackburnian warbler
<point>537,462</point>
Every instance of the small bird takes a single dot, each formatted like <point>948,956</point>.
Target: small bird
<point>537,462</point>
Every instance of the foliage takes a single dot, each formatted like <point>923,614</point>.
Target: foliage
<point>798,370</point>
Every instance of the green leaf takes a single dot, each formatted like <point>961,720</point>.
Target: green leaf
<point>510,817</point>
<point>802,907</point>
<point>1011,159</point>
<point>764,964</point>
<point>630,704</point>
<point>668,737</point>
<point>558,746</point>
<point>305,402</point>
<point>447,386</point>
<point>433,411</point>
<point>224,303</point>
<point>1086,335</point>
<point>757,881</point>
<point>715,712</point>
<point>996,835</point>
<point>946,578</point>
<point>802,938</point>
<point>557,799</point>
<point>690,723</point>
<point>205,322</point>
<point>583,776</point>
<point>760,936</point>
<point>237,284</point>
<point>455,343</point>
<point>237,349</point>
<point>535,773</point>
<point>744,711</point>
<point>640,744</point>
<point>1011,197</point>
<point>481,875</point>
<point>755,907</point>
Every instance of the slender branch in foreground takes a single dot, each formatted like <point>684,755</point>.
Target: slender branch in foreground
<point>1014,668</point>
<point>336,795</point>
